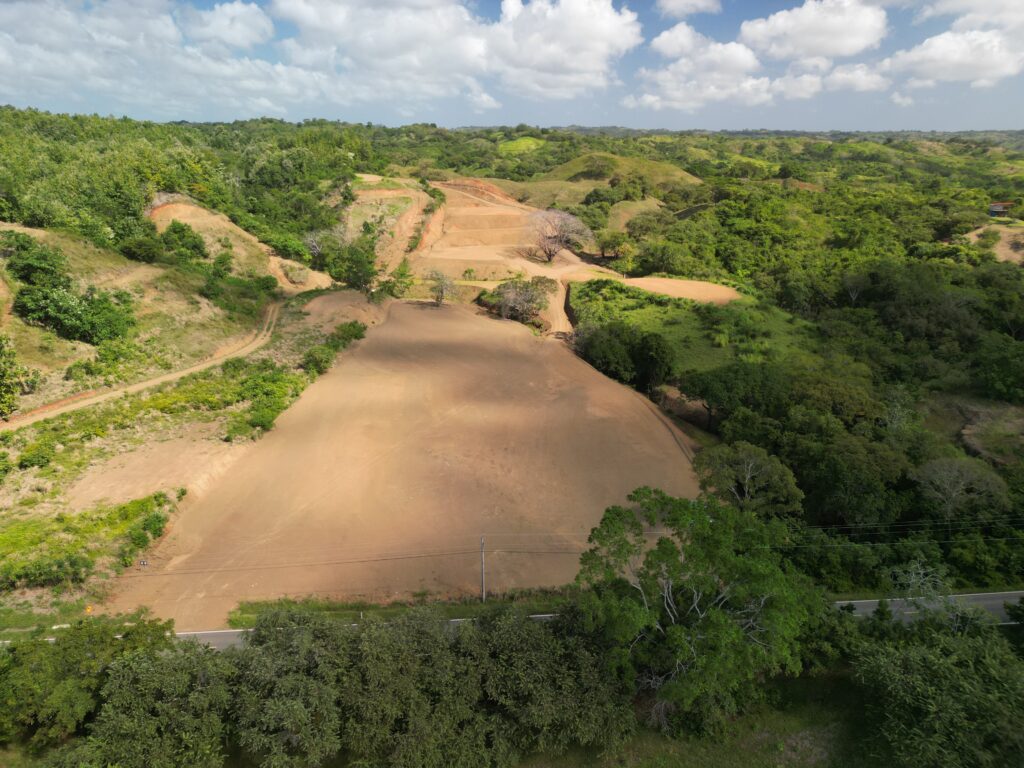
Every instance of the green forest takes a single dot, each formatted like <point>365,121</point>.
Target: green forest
<point>860,411</point>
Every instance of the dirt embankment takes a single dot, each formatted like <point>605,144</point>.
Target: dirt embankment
<point>249,254</point>
<point>486,235</point>
<point>441,426</point>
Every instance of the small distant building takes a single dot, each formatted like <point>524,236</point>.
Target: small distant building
<point>999,209</point>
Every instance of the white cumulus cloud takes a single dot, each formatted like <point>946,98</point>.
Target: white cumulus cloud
<point>704,71</point>
<point>560,49</point>
<point>236,24</point>
<point>1007,15</point>
<point>173,58</point>
<point>828,28</point>
<point>856,77</point>
<point>682,8</point>
<point>979,57</point>
<point>797,86</point>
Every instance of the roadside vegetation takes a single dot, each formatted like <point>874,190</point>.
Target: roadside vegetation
<point>724,648</point>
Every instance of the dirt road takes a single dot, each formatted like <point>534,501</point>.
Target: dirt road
<point>484,234</point>
<point>442,425</point>
<point>86,399</point>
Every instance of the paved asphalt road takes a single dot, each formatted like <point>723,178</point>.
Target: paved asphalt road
<point>989,601</point>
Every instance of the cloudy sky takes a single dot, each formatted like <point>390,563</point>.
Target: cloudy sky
<point>815,64</point>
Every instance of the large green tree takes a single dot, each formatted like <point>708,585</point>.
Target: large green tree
<point>165,709</point>
<point>50,690</point>
<point>749,478</point>
<point>695,604</point>
<point>286,699</point>
<point>949,698</point>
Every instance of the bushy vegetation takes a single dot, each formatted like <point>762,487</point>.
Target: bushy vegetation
<point>318,359</point>
<point>15,379</point>
<point>47,295</point>
<point>861,318</point>
<point>66,549</point>
<point>520,299</point>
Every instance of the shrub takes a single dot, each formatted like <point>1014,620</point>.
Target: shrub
<point>92,317</point>
<point>318,359</point>
<point>37,454</point>
<point>144,249</point>
<point>32,262</point>
<point>345,333</point>
<point>184,242</point>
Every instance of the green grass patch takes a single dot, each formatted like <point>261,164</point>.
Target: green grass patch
<point>530,601</point>
<point>702,336</point>
<point>38,551</point>
<point>520,146</point>
<point>816,721</point>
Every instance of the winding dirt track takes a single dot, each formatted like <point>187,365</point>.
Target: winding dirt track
<point>87,399</point>
<point>485,230</point>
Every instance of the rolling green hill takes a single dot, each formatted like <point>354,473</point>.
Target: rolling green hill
<point>601,166</point>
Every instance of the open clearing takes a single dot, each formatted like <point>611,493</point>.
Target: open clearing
<point>1010,246</point>
<point>440,426</point>
<point>484,230</point>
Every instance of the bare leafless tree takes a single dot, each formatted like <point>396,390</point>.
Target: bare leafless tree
<point>556,231</point>
<point>443,287</point>
<point>314,243</point>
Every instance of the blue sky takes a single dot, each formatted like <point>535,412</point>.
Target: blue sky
<point>678,64</point>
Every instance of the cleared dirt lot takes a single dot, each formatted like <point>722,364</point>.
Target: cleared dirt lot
<point>440,426</point>
<point>1010,246</point>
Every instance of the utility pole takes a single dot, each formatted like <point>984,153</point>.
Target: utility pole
<point>483,573</point>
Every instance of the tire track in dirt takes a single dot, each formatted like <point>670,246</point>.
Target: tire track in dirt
<point>86,399</point>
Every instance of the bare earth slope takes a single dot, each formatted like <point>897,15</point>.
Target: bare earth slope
<point>249,254</point>
<point>442,425</point>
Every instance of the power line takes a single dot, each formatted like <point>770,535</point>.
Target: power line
<point>498,551</point>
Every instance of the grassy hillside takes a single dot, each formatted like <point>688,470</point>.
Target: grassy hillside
<point>623,212</point>
<point>603,166</point>
<point>520,146</point>
<point>175,323</point>
<point>544,194</point>
<point>701,337</point>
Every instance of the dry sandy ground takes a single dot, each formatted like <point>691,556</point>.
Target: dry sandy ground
<point>196,459</point>
<point>697,290</point>
<point>484,230</point>
<point>442,425</point>
<point>391,247</point>
<point>1007,249</point>
<point>193,462</point>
